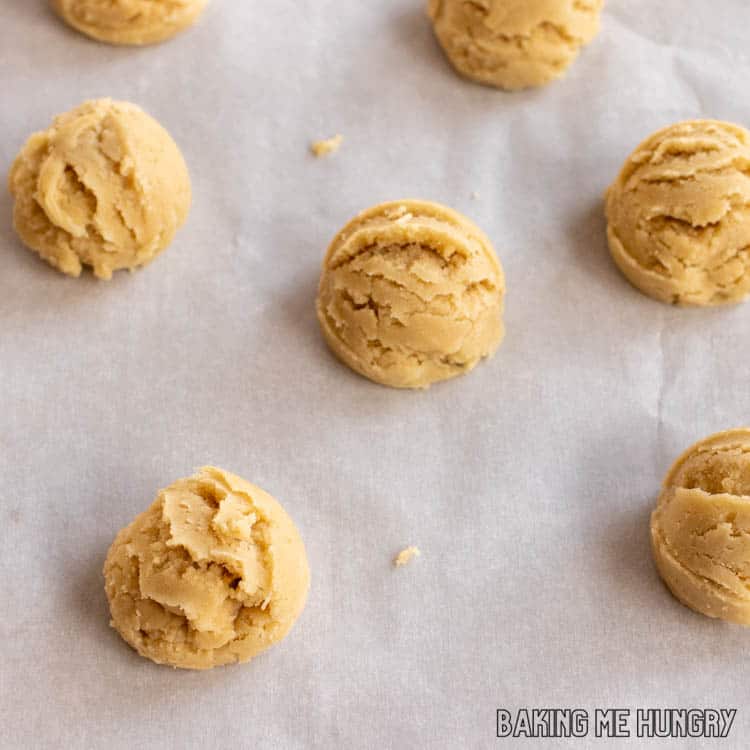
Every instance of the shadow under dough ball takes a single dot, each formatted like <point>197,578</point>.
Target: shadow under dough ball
<point>678,214</point>
<point>700,530</point>
<point>105,187</point>
<point>514,44</point>
<point>411,293</point>
<point>132,22</point>
<point>213,573</point>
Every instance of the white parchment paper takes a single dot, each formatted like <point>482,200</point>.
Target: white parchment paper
<point>527,484</point>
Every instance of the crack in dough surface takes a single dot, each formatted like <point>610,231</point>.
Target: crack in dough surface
<point>131,22</point>
<point>700,529</point>
<point>679,214</point>
<point>214,572</point>
<point>105,186</point>
<point>514,44</point>
<point>411,293</point>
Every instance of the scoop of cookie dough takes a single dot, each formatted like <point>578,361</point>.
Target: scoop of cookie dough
<point>105,186</point>
<point>134,22</point>
<point>213,573</point>
<point>700,530</point>
<point>411,293</point>
<point>679,214</point>
<point>514,44</point>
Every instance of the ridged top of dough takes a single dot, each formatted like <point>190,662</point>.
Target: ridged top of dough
<point>514,44</point>
<point>411,293</point>
<point>133,22</point>
<point>679,214</point>
<point>105,186</point>
<point>701,526</point>
<point>212,573</point>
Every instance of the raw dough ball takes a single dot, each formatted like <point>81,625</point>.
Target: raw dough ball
<point>105,186</point>
<point>679,214</point>
<point>700,530</point>
<point>411,293</point>
<point>514,44</point>
<point>130,21</point>
<point>214,572</point>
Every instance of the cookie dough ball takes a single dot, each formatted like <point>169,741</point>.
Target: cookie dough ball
<point>700,530</point>
<point>514,44</point>
<point>105,187</point>
<point>135,22</point>
<point>679,214</point>
<point>213,573</point>
<point>411,293</point>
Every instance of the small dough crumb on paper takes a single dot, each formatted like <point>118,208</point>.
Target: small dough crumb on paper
<point>327,146</point>
<point>406,556</point>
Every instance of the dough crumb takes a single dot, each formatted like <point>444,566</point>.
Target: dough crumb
<point>475,196</point>
<point>327,146</point>
<point>406,556</point>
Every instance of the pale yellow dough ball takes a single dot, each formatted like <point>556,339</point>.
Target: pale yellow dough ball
<point>514,44</point>
<point>700,530</point>
<point>105,187</point>
<point>135,22</point>
<point>213,573</point>
<point>679,214</point>
<point>411,293</point>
